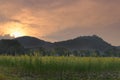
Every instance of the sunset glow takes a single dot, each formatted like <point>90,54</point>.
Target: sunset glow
<point>15,30</point>
<point>58,20</point>
<point>16,34</point>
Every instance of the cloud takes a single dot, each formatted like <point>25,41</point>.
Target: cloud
<point>72,32</point>
<point>4,19</point>
<point>7,36</point>
<point>62,19</point>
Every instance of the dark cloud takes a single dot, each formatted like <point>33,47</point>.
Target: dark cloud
<point>4,19</point>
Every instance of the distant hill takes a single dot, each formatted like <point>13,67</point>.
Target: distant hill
<point>76,46</point>
<point>10,46</point>
<point>85,43</point>
<point>118,47</point>
<point>80,43</point>
<point>32,42</point>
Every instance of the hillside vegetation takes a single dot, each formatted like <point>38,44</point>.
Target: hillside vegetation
<point>81,46</point>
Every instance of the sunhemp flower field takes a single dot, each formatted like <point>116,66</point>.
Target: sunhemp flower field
<point>59,68</point>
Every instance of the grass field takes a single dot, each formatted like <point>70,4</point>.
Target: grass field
<point>59,68</point>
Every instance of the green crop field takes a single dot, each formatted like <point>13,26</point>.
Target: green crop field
<point>59,68</point>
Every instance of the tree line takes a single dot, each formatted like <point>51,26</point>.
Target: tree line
<point>13,47</point>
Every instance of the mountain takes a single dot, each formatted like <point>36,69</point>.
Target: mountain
<point>32,42</point>
<point>118,47</point>
<point>27,44</point>
<point>10,46</point>
<point>80,43</point>
<point>85,43</point>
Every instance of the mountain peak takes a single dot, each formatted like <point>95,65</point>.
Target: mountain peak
<point>85,42</point>
<point>31,42</point>
<point>86,37</point>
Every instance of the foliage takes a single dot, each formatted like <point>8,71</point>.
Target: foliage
<point>61,68</point>
<point>55,64</point>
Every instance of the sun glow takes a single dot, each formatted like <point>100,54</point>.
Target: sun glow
<point>16,34</point>
<point>16,29</point>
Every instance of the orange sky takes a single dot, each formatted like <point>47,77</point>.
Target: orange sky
<point>56,20</point>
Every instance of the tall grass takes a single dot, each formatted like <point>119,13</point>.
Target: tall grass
<point>36,64</point>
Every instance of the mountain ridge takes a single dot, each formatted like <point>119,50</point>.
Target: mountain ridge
<point>85,42</point>
<point>78,43</point>
<point>31,42</point>
<point>76,46</point>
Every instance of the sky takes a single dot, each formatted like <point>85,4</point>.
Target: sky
<point>57,20</point>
